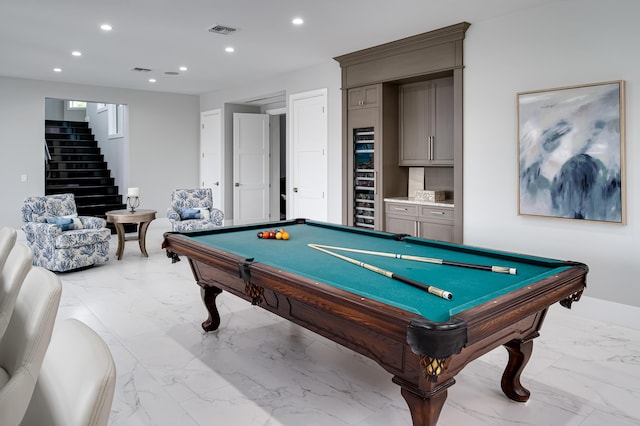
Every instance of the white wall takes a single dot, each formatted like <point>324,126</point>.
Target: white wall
<point>114,150</point>
<point>326,75</point>
<point>164,140</point>
<point>561,44</point>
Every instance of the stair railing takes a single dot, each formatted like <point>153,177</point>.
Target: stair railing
<point>47,158</point>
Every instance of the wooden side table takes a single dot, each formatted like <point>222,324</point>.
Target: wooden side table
<point>121,217</point>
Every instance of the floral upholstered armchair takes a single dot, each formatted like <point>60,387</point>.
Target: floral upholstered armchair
<point>192,210</point>
<point>60,239</point>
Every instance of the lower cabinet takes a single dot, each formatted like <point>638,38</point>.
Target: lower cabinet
<point>418,220</point>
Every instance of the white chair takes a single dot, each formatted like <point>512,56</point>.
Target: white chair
<point>12,276</point>
<point>76,382</point>
<point>7,241</point>
<point>23,346</point>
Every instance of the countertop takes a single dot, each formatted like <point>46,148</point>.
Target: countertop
<point>412,200</point>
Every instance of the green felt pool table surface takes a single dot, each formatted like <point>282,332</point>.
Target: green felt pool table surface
<point>470,287</point>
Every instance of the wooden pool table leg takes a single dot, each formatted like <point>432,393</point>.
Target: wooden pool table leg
<point>519,355</point>
<point>209,294</point>
<point>425,407</point>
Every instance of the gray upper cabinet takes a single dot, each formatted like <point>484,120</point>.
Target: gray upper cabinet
<point>364,97</point>
<point>426,123</point>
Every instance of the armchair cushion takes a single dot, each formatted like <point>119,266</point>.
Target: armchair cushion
<point>192,213</point>
<point>66,223</point>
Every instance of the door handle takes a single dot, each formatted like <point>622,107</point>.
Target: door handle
<point>237,184</point>
<point>295,189</point>
<point>217,184</point>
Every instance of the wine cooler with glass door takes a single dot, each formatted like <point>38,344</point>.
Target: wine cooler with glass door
<point>364,203</point>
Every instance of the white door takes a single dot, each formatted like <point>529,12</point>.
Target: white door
<point>250,168</point>
<point>212,155</point>
<point>308,183</point>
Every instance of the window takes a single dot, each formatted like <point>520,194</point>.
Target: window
<point>115,120</point>
<point>76,105</point>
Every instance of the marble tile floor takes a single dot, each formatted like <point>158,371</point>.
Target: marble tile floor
<point>258,369</point>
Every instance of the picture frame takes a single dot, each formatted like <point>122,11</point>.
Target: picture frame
<point>571,145</point>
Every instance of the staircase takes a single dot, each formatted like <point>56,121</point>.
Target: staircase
<point>77,166</point>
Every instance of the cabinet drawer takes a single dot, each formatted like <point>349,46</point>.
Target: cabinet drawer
<point>436,214</point>
<point>400,209</point>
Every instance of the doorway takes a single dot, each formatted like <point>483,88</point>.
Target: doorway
<point>87,150</point>
<point>297,168</point>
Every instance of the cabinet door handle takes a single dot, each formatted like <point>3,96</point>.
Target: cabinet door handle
<point>438,213</point>
<point>431,141</point>
<point>402,209</point>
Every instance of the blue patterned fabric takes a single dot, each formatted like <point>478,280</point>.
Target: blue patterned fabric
<point>66,223</point>
<point>201,199</point>
<point>191,213</point>
<point>63,250</point>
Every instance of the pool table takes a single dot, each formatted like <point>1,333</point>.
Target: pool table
<point>421,339</point>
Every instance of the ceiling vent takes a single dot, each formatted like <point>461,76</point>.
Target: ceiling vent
<point>221,29</point>
<point>138,69</point>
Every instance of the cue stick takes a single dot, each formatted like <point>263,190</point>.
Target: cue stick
<point>429,288</point>
<point>499,269</point>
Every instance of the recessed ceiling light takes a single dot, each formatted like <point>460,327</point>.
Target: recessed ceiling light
<point>76,53</point>
<point>105,27</point>
<point>229,49</point>
<point>183,68</point>
<point>57,70</point>
<point>297,21</point>
<point>152,80</point>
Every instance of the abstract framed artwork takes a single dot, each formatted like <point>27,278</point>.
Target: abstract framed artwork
<point>571,152</point>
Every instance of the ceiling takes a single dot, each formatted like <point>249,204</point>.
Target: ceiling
<point>37,36</point>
